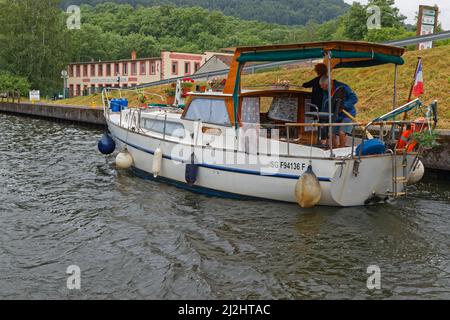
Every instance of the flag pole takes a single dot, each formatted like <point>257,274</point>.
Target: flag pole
<point>414,80</point>
<point>412,86</point>
<point>405,115</point>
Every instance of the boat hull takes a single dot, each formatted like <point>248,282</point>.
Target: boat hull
<point>275,181</point>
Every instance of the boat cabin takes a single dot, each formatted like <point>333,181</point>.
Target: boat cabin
<point>266,109</point>
<point>277,108</point>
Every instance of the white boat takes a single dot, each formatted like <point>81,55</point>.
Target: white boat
<point>259,143</point>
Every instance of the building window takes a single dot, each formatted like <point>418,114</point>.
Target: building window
<point>78,92</point>
<point>133,69</point>
<point>152,68</point>
<point>187,68</point>
<point>70,71</point>
<point>71,93</point>
<point>175,68</point>
<point>108,70</point>
<point>92,70</point>
<point>143,68</point>
<point>100,70</point>
<point>85,71</point>
<point>125,69</point>
<point>117,69</point>
<point>197,66</point>
<point>78,71</point>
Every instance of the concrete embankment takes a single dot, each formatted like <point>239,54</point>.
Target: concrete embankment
<point>438,159</point>
<point>77,114</point>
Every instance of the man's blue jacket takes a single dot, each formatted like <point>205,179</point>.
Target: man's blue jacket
<point>345,93</point>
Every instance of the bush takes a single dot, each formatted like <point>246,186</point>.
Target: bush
<point>10,82</point>
<point>170,92</point>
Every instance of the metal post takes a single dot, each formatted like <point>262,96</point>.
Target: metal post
<point>288,140</point>
<point>330,106</point>
<point>64,75</point>
<point>165,127</point>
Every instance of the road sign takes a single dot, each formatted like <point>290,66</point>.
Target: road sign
<point>35,95</point>
<point>427,24</point>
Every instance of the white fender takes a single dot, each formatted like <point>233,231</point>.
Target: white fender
<point>417,173</point>
<point>308,191</point>
<point>124,160</point>
<point>157,162</point>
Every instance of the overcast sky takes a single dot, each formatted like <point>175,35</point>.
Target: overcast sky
<point>409,8</point>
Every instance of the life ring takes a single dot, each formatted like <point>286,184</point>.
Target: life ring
<point>406,140</point>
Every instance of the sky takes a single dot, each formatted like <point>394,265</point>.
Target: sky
<point>409,8</point>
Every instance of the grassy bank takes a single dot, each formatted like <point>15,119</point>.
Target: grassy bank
<point>374,86</point>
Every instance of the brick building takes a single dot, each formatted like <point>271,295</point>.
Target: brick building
<point>89,77</point>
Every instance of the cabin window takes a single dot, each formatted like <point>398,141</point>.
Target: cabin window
<point>173,129</point>
<point>212,111</point>
<point>284,108</point>
<point>251,111</point>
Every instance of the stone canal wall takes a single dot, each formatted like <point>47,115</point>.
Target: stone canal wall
<point>438,159</point>
<point>76,114</point>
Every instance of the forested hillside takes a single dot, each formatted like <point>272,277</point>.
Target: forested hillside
<point>286,12</point>
<point>36,44</point>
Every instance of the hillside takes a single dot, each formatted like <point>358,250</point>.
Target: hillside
<point>372,85</point>
<point>287,12</point>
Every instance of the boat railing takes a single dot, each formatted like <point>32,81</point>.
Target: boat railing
<point>108,95</point>
<point>361,132</point>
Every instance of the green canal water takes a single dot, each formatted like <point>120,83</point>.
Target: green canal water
<point>63,204</point>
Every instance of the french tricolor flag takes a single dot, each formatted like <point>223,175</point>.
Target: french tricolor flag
<point>418,89</point>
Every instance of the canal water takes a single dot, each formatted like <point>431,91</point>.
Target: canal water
<point>64,204</point>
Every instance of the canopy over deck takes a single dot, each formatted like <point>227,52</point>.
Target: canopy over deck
<point>343,54</point>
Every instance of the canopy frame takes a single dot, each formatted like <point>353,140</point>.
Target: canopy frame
<point>337,54</point>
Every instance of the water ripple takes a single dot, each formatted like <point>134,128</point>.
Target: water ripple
<point>61,203</point>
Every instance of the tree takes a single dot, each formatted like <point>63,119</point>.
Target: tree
<point>387,34</point>
<point>390,14</point>
<point>34,41</point>
<point>356,20</point>
<point>10,82</point>
<point>285,12</point>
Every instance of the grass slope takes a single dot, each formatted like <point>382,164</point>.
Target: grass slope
<point>374,86</point>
